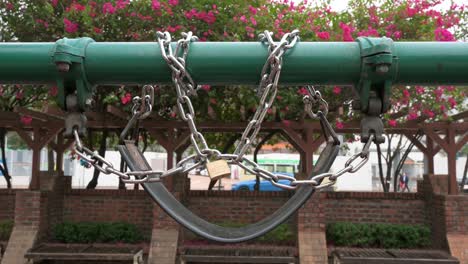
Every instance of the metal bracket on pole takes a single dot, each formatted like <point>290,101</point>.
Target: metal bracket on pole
<point>69,56</point>
<point>378,70</point>
<point>379,67</point>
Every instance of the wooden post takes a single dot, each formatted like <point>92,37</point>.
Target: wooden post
<point>452,161</point>
<point>430,156</point>
<point>35,183</point>
<point>59,158</point>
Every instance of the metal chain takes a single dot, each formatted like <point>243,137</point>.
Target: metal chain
<point>185,86</point>
<point>268,86</point>
<point>142,107</point>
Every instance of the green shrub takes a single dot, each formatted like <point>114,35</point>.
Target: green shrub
<point>282,234</point>
<point>92,232</point>
<point>378,235</point>
<point>6,226</point>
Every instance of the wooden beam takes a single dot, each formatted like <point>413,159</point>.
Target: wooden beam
<point>27,138</point>
<point>462,115</point>
<point>430,132</point>
<point>417,143</point>
<point>38,115</point>
<point>117,112</point>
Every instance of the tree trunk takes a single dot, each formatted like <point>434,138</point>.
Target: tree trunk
<point>102,152</point>
<point>382,180</point>
<point>402,162</point>
<point>123,168</point>
<point>4,166</point>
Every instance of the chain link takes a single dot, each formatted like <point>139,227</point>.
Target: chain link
<point>314,98</point>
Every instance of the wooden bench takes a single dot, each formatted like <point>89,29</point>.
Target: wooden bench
<point>390,256</point>
<point>97,252</point>
<point>247,254</point>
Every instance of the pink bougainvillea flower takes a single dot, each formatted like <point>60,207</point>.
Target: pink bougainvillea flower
<point>191,13</point>
<point>303,91</point>
<point>339,124</point>
<point>126,98</point>
<point>253,21</point>
<point>397,34</point>
<point>121,4</point>
<point>54,2</point>
<point>370,32</point>
<point>97,30</point>
<point>412,116</point>
<point>77,7</point>
<point>429,113</point>
<point>336,90</point>
<point>410,12</point>
<point>392,123</point>
<point>442,34</point>
<point>53,91</point>
<point>406,93</point>
<point>452,102</point>
<point>9,6</point>
<point>173,2</point>
<point>253,10</point>
<point>206,87</point>
<point>156,5</point>
<point>213,101</point>
<point>210,18</point>
<point>243,19</point>
<point>26,120</point>
<point>438,92</point>
<point>70,26</point>
<point>108,8</point>
<point>419,89</point>
<point>323,35</point>
<point>347,32</point>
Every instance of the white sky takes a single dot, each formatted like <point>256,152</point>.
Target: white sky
<point>340,5</point>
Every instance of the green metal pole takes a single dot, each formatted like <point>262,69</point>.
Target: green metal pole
<point>237,63</point>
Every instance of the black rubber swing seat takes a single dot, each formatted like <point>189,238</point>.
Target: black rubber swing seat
<point>194,223</point>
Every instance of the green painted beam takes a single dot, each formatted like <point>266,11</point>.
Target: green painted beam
<point>237,63</point>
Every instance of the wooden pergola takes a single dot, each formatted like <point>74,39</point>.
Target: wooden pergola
<point>305,136</point>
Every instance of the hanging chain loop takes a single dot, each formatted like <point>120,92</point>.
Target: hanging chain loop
<point>186,87</point>
<point>268,86</point>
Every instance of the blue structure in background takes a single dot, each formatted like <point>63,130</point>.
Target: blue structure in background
<point>264,185</point>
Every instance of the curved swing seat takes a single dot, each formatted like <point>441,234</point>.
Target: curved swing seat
<point>199,226</point>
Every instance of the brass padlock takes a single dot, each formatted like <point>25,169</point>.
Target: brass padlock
<point>218,169</point>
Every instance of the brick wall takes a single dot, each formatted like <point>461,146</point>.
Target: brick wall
<point>235,207</point>
<point>243,207</point>
<point>132,206</point>
<point>7,208</point>
<point>372,207</point>
<point>456,214</point>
